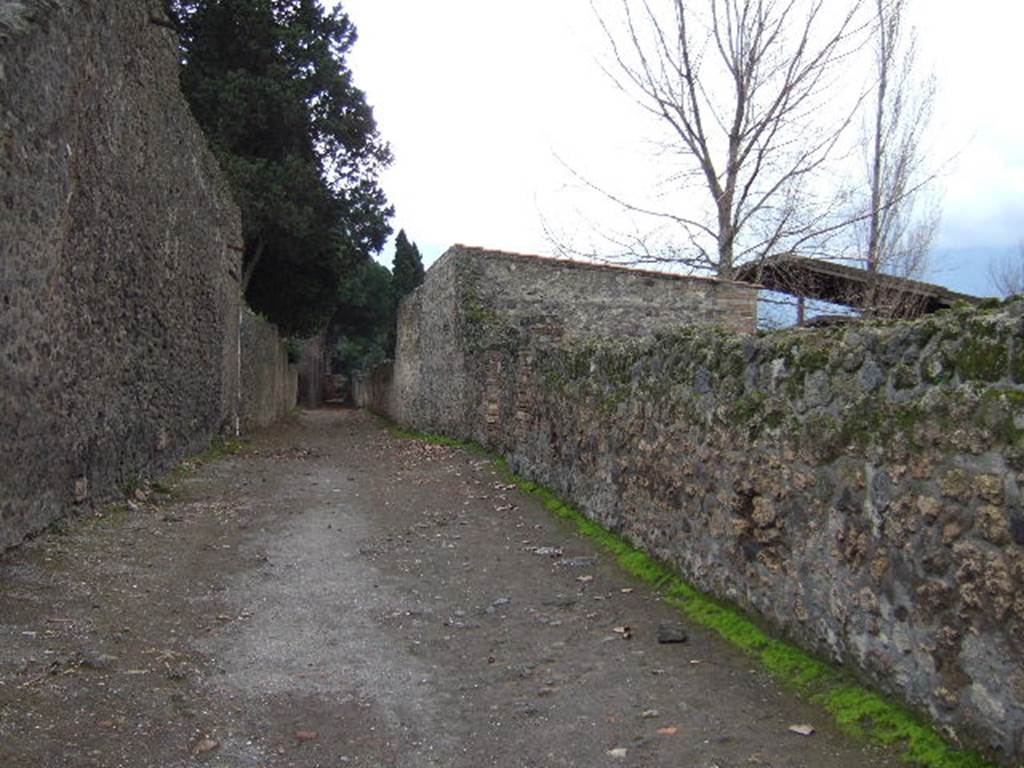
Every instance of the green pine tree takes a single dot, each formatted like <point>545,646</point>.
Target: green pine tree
<point>408,267</point>
<point>269,84</point>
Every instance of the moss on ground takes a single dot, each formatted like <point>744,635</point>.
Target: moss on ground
<point>858,711</point>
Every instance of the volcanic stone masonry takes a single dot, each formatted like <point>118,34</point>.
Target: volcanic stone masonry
<point>859,488</point>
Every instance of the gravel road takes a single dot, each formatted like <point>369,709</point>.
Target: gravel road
<point>337,596</point>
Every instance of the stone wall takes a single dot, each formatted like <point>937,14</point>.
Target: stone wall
<point>858,488</point>
<point>118,262</point>
<point>373,390</point>
<point>580,300</point>
<point>312,369</point>
<point>270,384</point>
<point>471,295</point>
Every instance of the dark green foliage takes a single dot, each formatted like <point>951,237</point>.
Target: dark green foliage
<point>408,267</point>
<point>362,328</point>
<point>268,82</point>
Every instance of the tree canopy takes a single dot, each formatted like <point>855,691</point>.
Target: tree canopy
<point>269,84</point>
<point>363,326</point>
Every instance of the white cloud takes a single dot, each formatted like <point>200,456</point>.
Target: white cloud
<point>478,99</point>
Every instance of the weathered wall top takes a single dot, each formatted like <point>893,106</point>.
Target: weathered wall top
<point>578,299</point>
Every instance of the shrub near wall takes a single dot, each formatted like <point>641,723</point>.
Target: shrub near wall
<point>858,488</point>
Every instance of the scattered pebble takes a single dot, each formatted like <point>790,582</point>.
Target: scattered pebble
<point>548,551</point>
<point>671,633</point>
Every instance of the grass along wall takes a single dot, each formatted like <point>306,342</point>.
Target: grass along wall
<point>859,489</point>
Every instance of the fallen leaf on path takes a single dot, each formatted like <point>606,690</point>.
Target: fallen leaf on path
<point>105,724</point>
<point>670,730</point>
<point>584,579</point>
<point>802,730</point>
<point>617,752</point>
<point>306,735</point>
<point>205,746</point>
<point>650,714</point>
<point>626,590</point>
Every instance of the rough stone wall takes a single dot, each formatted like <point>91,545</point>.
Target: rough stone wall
<point>430,381</point>
<point>312,368</point>
<point>18,16</point>
<point>596,300</point>
<point>372,390</point>
<point>859,488</point>
<point>118,278</point>
<point>442,325</point>
<point>270,384</point>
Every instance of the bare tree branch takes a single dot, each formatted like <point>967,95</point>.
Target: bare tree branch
<point>1007,273</point>
<point>742,88</point>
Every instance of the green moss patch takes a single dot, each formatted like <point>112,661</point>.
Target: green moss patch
<point>859,711</point>
<point>982,359</point>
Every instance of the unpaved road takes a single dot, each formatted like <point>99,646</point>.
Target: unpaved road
<point>336,596</point>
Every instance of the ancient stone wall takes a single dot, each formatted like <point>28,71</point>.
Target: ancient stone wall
<point>312,370</point>
<point>118,261</point>
<point>430,379</point>
<point>858,488</point>
<point>372,390</point>
<point>583,300</point>
<point>270,384</point>
<point>470,295</point>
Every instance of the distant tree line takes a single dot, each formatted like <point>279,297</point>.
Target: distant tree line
<point>362,332</point>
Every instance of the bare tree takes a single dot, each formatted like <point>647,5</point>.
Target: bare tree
<point>751,92</point>
<point>1007,273</point>
<point>894,232</point>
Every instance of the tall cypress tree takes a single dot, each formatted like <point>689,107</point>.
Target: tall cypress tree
<point>268,82</point>
<point>407,270</point>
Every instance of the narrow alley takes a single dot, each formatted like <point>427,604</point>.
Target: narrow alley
<point>334,595</point>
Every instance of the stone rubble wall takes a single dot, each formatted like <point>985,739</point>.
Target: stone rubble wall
<point>472,296</point>
<point>857,488</point>
<point>600,300</point>
<point>119,261</point>
<point>270,384</point>
<point>19,16</point>
<point>372,390</point>
<point>312,370</point>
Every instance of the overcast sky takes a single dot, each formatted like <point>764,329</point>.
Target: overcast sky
<point>485,102</point>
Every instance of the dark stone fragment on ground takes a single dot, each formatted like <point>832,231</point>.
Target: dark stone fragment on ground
<point>671,633</point>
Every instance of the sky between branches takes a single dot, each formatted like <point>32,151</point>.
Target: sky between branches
<point>485,103</point>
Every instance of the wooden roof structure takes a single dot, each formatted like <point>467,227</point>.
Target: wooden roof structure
<point>885,295</point>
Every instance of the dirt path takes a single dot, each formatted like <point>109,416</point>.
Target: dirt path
<point>339,597</point>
